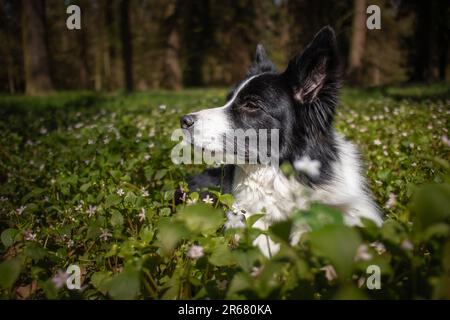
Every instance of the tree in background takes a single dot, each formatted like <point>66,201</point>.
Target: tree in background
<point>127,47</point>
<point>37,71</point>
<point>358,40</point>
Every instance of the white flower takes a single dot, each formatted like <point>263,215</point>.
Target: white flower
<point>256,271</point>
<point>60,279</point>
<point>234,220</point>
<point>29,236</point>
<point>195,252</point>
<point>330,273</point>
<point>379,247</point>
<point>191,201</point>
<point>142,215</point>
<point>362,253</point>
<point>445,140</point>
<point>151,145</point>
<point>183,197</point>
<point>91,210</point>
<point>139,135</point>
<point>145,193</point>
<point>43,130</point>
<point>391,201</point>
<point>105,234</point>
<point>208,199</point>
<point>147,157</point>
<point>3,199</point>
<point>162,107</point>
<point>90,141</point>
<point>308,166</point>
<point>21,210</point>
<point>377,142</point>
<point>407,245</point>
<point>120,192</point>
<point>70,243</point>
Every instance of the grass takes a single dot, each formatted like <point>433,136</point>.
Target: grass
<point>86,179</point>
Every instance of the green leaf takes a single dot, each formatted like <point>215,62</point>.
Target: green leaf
<point>85,187</point>
<point>146,234</point>
<point>9,272</point>
<point>221,254</point>
<point>8,237</point>
<point>116,219</point>
<point>253,218</point>
<point>100,280</point>
<point>170,233</point>
<point>282,230</point>
<point>125,286</point>
<point>338,244</point>
<point>201,218</point>
<point>112,200</point>
<point>227,199</point>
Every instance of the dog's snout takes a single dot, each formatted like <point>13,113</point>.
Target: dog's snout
<point>187,121</point>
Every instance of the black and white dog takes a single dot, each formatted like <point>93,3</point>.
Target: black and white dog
<point>300,102</point>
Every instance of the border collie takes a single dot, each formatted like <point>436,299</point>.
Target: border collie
<point>300,102</point>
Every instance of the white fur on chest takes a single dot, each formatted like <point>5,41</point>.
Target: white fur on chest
<point>257,188</point>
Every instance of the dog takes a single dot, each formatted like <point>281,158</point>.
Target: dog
<point>300,103</point>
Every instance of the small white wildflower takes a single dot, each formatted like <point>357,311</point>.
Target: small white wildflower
<point>60,279</point>
<point>330,273</point>
<point>145,193</point>
<point>183,197</point>
<point>411,145</point>
<point>105,234</point>
<point>445,140</point>
<point>195,252</point>
<point>29,236</point>
<point>407,245</point>
<point>208,199</point>
<point>308,166</point>
<point>150,145</point>
<point>147,157</point>
<point>362,254</point>
<point>139,135</point>
<point>142,215</point>
<point>162,107</point>
<point>70,243</point>
<point>191,201</point>
<point>91,210</point>
<point>120,192</point>
<point>377,142</point>
<point>90,141</point>
<point>379,247</point>
<point>3,199</point>
<point>21,210</point>
<point>234,220</point>
<point>43,131</point>
<point>256,271</point>
<point>391,201</point>
<point>413,164</point>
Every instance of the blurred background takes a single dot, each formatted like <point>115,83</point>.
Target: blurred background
<point>173,44</point>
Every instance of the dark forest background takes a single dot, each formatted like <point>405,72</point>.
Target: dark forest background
<point>172,44</point>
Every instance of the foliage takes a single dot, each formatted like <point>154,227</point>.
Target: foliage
<point>87,179</point>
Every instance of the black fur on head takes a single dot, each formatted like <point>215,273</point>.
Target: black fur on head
<point>300,102</point>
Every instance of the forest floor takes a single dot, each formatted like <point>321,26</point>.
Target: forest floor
<point>87,179</point>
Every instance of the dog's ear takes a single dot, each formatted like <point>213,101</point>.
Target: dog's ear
<point>261,63</point>
<point>315,70</point>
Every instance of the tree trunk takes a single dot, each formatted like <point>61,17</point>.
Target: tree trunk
<point>172,77</point>
<point>37,71</point>
<point>358,40</point>
<point>127,52</point>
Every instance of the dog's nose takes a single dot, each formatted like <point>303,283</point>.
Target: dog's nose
<point>187,121</point>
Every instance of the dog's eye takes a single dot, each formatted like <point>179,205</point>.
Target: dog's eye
<point>251,106</point>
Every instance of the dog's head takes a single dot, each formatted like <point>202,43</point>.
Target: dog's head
<point>299,102</point>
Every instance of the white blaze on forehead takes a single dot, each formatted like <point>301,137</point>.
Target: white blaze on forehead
<point>212,124</point>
